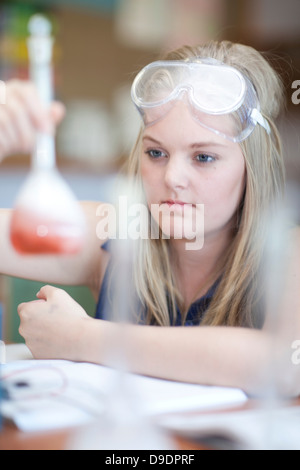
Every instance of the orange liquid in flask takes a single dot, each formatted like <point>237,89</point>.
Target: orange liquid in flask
<point>47,219</point>
<point>33,234</point>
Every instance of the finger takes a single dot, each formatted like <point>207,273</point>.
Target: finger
<point>47,292</point>
<point>19,130</point>
<point>20,308</point>
<point>8,135</point>
<point>23,310</point>
<point>4,146</point>
<point>57,112</point>
<point>27,307</point>
<point>29,98</point>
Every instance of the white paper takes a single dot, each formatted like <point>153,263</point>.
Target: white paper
<point>46,395</point>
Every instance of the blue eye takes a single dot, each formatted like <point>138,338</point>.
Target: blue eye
<point>155,154</point>
<point>203,158</point>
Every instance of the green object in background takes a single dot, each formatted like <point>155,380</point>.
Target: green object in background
<point>21,290</point>
<point>102,6</point>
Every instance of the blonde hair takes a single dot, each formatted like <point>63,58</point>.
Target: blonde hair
<point>238,298</point>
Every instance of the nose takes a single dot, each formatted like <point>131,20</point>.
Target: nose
<point>176,175</point>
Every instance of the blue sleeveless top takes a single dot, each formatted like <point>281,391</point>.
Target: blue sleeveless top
<point>194,316</point>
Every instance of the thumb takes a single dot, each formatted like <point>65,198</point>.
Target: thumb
<point>45,292</point>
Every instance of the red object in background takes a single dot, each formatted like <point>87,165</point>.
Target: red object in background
<point>32,234</point>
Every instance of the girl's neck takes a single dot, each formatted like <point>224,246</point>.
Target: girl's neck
<point>196,271</point>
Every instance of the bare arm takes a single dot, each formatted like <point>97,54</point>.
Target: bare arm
<point>56,327</point>
<point>220,356</point>
<point>83,268</point>
<point>237,357</point>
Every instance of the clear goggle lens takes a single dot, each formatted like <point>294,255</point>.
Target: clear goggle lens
<point>220,97</point>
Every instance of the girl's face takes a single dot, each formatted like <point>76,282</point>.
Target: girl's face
<point>184,165</point>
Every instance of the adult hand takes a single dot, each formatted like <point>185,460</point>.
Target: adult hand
<point>22,115</point>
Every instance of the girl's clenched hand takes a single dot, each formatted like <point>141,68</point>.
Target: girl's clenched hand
<point>52,325</point>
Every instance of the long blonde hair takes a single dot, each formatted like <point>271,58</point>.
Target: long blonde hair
<point>238,299</point>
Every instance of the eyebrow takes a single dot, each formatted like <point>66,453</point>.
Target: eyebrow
<point>194,145</point>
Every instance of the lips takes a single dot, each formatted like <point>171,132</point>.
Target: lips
<point>171,202</point>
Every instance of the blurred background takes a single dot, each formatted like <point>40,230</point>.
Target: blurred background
<point>100,45</point>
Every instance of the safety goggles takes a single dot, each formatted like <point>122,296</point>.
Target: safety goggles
<point>220,97</point>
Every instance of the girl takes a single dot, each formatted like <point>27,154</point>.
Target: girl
<point>208,140</point>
